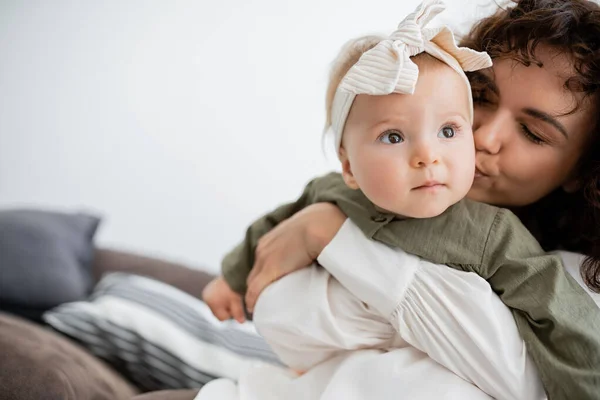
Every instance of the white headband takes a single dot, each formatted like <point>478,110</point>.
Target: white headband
<point>387,67</point>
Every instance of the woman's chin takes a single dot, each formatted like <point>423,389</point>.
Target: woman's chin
<point>480,192</point>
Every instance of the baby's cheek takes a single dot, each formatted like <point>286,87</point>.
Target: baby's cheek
<point>381,185</point>
<point>465,181</point>
<point>463,172</point>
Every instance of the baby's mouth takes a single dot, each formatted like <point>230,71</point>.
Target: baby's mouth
<point>430,185</point>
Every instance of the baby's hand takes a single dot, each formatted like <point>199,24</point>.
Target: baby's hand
<point>223,302</point>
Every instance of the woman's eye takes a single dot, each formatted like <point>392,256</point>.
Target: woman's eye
<point>447,132</point>
<point>391,138</point>
<point>531,136</point>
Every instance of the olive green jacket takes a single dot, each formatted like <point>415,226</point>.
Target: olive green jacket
<point>557,319</point>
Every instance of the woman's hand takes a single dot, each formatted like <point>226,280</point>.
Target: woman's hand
<point>293,244</point>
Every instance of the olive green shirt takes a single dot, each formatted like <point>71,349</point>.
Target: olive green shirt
<point>556,318</point>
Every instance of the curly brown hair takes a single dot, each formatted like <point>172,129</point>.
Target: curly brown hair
<point>561,220</point>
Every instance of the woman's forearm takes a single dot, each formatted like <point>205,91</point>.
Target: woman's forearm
<point>292,245</point>
<point>451,315</point>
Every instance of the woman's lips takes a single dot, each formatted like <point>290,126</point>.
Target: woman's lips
<point>479,174</point>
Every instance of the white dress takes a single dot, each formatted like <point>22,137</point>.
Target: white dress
<point>378,323</point>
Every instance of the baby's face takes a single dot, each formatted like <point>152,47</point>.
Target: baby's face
<point>412,155</point>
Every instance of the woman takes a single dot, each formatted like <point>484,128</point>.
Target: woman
<point>536,134</point>
<point>536,152</point>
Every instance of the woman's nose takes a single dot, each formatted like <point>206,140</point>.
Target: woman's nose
<point>489,130</point>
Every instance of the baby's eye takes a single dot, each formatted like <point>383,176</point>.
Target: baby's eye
<point>391,137</point>
<point>447,132</point>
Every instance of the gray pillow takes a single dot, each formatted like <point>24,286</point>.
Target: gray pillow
<point>159,336</point>
<point>45,257</point>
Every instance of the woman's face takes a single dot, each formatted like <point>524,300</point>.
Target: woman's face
<point>525,146</point>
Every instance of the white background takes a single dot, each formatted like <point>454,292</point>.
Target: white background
<point>179,122</point>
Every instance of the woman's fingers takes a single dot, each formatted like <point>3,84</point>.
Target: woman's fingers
<point>292,245</point>
<point>256,269</point>
<point>258,284</point>
<point>259,255</point>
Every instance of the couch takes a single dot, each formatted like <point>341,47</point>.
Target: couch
<point>37,362</point>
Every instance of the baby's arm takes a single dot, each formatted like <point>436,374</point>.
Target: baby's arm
<point>558,320</point>
<point>276,258</point>
<point>223,294</point>
<point>222,301</point>
<point>329,188</point>
<point>453,316</point>
<point>238,263</point>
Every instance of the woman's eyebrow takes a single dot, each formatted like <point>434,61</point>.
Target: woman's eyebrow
<point>545,117</point>
<point>478,77</point>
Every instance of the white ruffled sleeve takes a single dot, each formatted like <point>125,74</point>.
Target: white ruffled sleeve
<point>451,315</point>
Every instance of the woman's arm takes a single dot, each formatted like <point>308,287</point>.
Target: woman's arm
<point>293,244</point>
<point>451,315</point>
<point>237,264</point>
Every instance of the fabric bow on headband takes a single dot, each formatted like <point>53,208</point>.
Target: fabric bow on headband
<point>387,67</point>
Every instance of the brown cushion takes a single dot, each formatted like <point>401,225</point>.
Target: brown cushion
<point>189,280</point>
<point>36,363</point>
<point>188,394</point>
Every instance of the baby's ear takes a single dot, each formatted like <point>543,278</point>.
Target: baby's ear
<point>347,170</point>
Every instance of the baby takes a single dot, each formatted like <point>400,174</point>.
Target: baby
<point>401,113</point>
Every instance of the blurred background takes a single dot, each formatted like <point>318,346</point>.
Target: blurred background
<point>178,122</point>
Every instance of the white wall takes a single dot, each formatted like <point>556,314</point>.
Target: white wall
<point>178,121</point>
